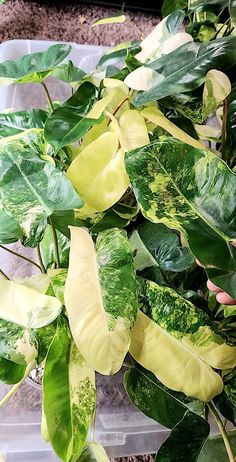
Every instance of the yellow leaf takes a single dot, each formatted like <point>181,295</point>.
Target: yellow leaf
<point>133,130</point>
<point>99,174</point>
<point>157,117</point>
<point>173,363</point>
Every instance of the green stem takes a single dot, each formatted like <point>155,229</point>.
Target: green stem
<point>41,264</point>
<point>4,275</point>
<point>55,242</point>
<point>224,127</point>
<point>93,426</point>
<point>48,97</point>
<point>17,385</point>
<point>222,431</point>
<point>20,256</point>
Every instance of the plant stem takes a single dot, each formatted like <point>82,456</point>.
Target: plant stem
<point>41,264</point>
<point>20,256</point>
<point>4,275</point>
<point>93,426</point>
<point>17,385</point>
<point>224,126</point>
<point>222,431</point>
<point>119,106</point>
<point>48,97</point>
<point>55,242</point>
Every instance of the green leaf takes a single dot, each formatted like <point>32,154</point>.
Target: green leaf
<point>171,409</point>
<point>230,142</point>
<point>226,407</point>
<point>62,220</point>
<point>93,452</point>
<point>176,185</point>
<point>11,373</point>
<point>26,306</point>
<point>232,11</point>
<point>44,337</point>
<point>119,52</point>
<point>185,68</point>
<point>17,344</point>
<point>83,99</point>
<point>99,175</point>
<point>68,72</point>
<point>60,134</point>
<point>156,245</point>
<point>58,280</point>
<point>205,5</point>
<point>16,122</point>
<point>120,18</point>
<point>48,248</point>
<point>185,441</point>
<point>214,449</point>
<point>33,68</point>
<point>69,395</point>
<point>41,188</point>
<point>169,6</point>
<point>155,400</point>
<point>9,229</point>
<point>102,281</point>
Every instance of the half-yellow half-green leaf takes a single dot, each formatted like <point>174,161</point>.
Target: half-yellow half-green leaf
<point>100,297</point>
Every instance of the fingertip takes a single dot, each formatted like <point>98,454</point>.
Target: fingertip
<point>213,287</point>
<point>225,299</point>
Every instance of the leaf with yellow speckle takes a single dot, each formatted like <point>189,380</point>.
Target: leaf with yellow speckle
<point>100,297</point>
<point>193,191</point>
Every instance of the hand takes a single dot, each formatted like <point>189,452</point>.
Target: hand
<point>221,297</point>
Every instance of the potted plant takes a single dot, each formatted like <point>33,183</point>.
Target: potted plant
<point>121,188</point>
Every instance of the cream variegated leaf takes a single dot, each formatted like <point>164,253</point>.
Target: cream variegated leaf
<point>27,307</point>
<point>17,344</point>
<point>133,130</point>
<point>216,89</point>
<point>100,297</point>
<point>69,395</point>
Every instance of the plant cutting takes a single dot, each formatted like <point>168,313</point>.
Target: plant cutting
<point>122,189</point>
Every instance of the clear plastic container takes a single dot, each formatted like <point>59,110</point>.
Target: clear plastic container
<point>120,427</point>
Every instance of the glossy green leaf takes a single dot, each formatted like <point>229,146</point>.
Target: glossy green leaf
<point>177,185</point>
<point>214,449</point>
<point>41,188</point>
<point>171,409</point>
<point>59,134</point>
<point>83,99</point>
<point>119,52</point>
<point>226,406</point>
<point>44,337</point>
<point>156,245</point>
<point>11,373</point>
<point>33,68</point>
<point>169,6</point>
<point>12,123</point>
<point>185,68</point>
<point>155,400</point>
<point>100,297</point>
<point>112,20</point>
<point>26,306</point>
<point>47,248</point>
<point>62,220</point>
<point>99,175</point>
<point>69,395</point>
<point>93,452</point>
<point>185,441</point>
<point>17,344</point>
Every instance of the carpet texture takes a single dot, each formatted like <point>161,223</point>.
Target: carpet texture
<point>21,19</point>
